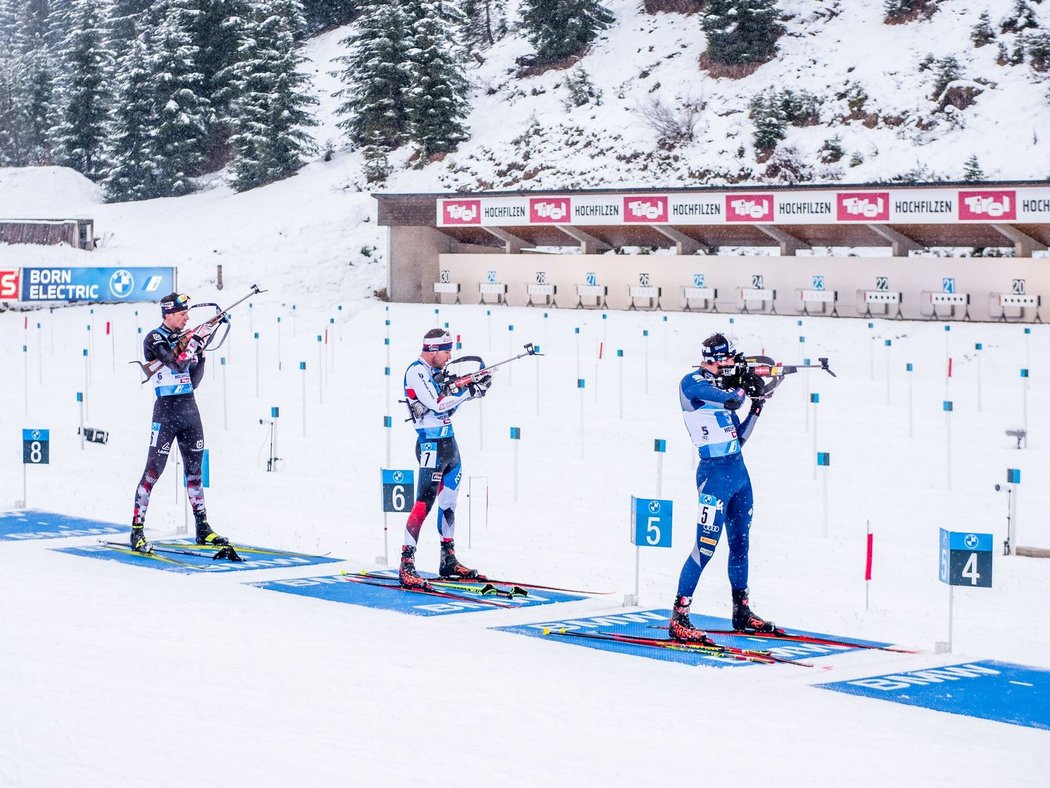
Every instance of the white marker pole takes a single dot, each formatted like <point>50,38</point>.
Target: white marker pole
<point>515,435</point>
<point>256,364</point>
<point>948,441</point>
<point>25,376</point>
<point>814,399</point>
<point>645,337</point>
<point>871,350</point>
<point>40,354</point>
<point>302,368</point>
<point>581,384</point>
<point>1024,402</point>
<point>576,331</point>
<point>619,355</point>
<point>910,369</point>
<point>320,370</point>
<point>888,344</point>
<point>278,343</point>
<point>80,399</point>
<point>87,380</point>
<point>978,347</point>
<point>225,410</point>
<point>824,460</point>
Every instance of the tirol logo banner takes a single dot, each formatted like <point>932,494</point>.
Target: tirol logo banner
<point>550,210</point>
<point>863,207</point>
<point>461,212</point>
<point>645,209</point>
<point>749,207</point>
<point>999,205</point>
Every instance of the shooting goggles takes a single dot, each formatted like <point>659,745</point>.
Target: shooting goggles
<point>180,303</point>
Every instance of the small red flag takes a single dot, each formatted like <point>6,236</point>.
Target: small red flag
<point>107,328</point>
<point>601,347</point>
<point>867,565</point>
<point>949,366</point>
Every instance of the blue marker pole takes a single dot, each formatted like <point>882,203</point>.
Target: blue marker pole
<point>87,381</point>
<point>806,400</point>
<point>871,348</point>
<point>388,424</point>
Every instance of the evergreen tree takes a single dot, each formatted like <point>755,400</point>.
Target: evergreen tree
<point>128,18</point>
<point>217,34</point>
<point>82,94</point>
<point>135,174</point>
<point>179,110</point>
<point>982,32</point>
<point>437,98</point>
<point>324,15</point>
<point>35,83</point>
<point>270,102</point>
<point>560,28</point>
<point>972,172</point>
<point>485,22</point>
<point>376,77</point>
<point>741,31</point>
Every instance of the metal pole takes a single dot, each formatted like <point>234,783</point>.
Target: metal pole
<point>225,410</point>
<point>951,614</point>
<point>637,571</point>
<point>516,471</point>
<point>826,471</point>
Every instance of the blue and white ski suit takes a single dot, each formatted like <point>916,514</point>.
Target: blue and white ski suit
<point>722,482</point>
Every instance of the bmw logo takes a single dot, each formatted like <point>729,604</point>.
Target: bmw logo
<point>654,507</point>
<point>970,541</point>
<point>398,476</point>
<point>121,283</point>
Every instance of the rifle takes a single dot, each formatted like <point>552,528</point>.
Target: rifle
<point>200,337</point>
<point>456,384</point>
<point>766,367</point>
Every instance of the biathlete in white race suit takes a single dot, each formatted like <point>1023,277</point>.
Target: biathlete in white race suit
<point>440,471</point>
<point>710,399</point>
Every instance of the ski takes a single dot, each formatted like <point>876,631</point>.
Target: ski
<point>250,550</point>
<point>221,552</point>
<point>715,650</point>
<point>814,639</point>
<point>363,579</point>
<point>126,550</point>
<point>485,590</point>
<point>501,582</point>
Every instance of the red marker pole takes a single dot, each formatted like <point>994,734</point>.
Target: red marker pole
<point>867,565</point>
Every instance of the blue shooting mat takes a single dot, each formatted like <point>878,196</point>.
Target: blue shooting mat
<point>254,558</point>
<point>653,624</point>
<point>337,588</point>
<point>28,524</point>
<point>989,690</point>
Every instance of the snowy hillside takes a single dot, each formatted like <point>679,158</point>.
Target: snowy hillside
<point>873,82</point>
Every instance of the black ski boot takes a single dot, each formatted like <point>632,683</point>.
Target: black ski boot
<point>138,536</point>
<point>744,619</point>
<point>407,573</point>
<point>681,628</point>
<point>451,567</point>
<point>205,535</point>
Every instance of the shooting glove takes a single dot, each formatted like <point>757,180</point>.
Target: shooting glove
<point>480,387</point>
<point>754,386</point>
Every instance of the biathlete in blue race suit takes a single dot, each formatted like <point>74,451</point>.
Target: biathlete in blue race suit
<point>440,470</point>
<point>175,418</point>
<point>711,398</point>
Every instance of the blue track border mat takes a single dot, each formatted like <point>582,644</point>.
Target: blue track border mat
<point>653,623</point>
<point>23,525</point>
<point>990,690</point>
<point>338,588</point>
<point>254,558</point>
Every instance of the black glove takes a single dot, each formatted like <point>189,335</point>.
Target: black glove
<point>479,388</point>
<point>754,386</point>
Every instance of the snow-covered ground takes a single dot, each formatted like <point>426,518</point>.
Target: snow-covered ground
<point>114,675</point>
